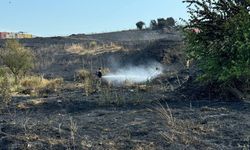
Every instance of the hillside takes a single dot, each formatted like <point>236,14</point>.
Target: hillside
<point>157,105</point>
<point>63,56</point>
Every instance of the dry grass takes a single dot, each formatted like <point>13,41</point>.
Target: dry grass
<point>105,70</point>
<point>30,138</point>
<point>5,91</point>
<point>46,55</point>
<point>108,96</point>
<point>73,131</point>
<point>139,87</point>
<point>105,96</point>
<point>93,48</point>
<point>30,103</point>
<point>143,87</point>
<point>37,85</point>
<point>174,54</point>
<point>82,74</point>
<point>88,85</point>
<point>87,80</point>
<point>186,132</point>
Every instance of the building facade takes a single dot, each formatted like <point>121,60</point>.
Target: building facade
<point>3,35</point>
<point>12,35</point>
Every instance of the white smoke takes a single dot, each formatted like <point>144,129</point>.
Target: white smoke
<point>134,74</point>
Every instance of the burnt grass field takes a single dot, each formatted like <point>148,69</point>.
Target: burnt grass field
<point>170,112</point>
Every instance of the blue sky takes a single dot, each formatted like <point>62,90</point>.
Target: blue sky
<point>65,17</point>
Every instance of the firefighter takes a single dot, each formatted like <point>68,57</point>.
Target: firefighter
<point>99,73</point>
<point>99,81</point>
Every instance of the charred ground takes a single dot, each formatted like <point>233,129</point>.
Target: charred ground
<point>171,112</point>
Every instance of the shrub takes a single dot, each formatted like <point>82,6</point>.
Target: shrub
<point>54,84</point>
<point>88,86</point>
<point>93,44</point>
<point>33,82</point>
<point>3,71</point>
<point>218,38</point>
<point>37,85</point>
<point>87,79</point>
<point>5,91</point>
<point>82,74</point>
<point>16,57</point>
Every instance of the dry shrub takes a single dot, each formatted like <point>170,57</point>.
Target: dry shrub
<point>28,104</point>
<point>54,84</point>
<point>184,131</point>
<point>105,70</point>
<point>137,87</point>
<point>37,85</point>
<point>174,55</point>
<point>143,87</point>
<point>169,58</point>
<point>92,45</point>
<point>93,48</point>
<point>87,80</point>
<point>82,74</point>
<point>33,82</point>
<point>108,97</point>
<point>88,85</point>
<point>75,48</point>
<point>105,96</point>
<point>128,84</point>
<point>5,91</point>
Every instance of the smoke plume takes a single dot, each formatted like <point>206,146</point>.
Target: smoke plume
<point>134,74</point>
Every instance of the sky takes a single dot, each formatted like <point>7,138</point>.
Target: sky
<point>66,17</point>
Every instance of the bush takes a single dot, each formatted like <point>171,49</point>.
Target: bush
<point>88,85</point>
<point>4,71</point>
<point>82,74</point>
<point>93,44</point>
<point>16,57</point>
<point>37,85</point>
<point>218,38</point>
<point>87,80</point>
<point>5,91</point>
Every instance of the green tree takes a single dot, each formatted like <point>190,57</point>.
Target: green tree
<point>170,22</point>
<point>161,23</point>
<point>153,24</point>
<point>222,47</point>
<point>16,57</point>
<point>140,25</point>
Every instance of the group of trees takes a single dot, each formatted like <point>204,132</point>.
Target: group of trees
<point>160,23</point>
<point>222,45</point>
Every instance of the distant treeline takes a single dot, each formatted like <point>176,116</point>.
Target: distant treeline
<point>160,23</point>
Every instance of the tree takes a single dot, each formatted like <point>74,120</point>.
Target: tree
<point>140,25</point>
<point>16,57</point>
<point>153,24</point>
<point>222,47</point>
<point>170,22</point>
<point>161,23</point>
